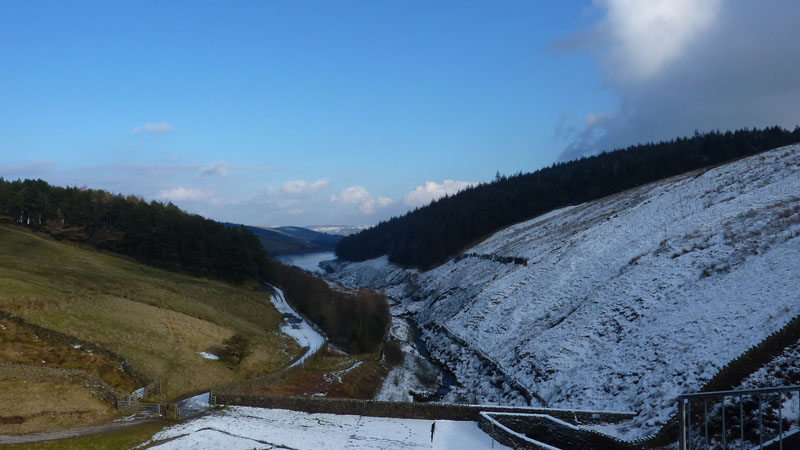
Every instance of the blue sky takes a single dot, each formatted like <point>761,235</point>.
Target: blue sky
<point>302,113</point>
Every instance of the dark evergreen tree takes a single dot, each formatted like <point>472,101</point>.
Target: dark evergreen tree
<point>153,233</point>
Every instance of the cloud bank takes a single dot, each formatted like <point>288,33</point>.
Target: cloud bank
<point>679,66</point>
<point>357,195</point>
<point>183,194</point>
<point>222,169</point>
<point>430,191</point>
<point>32,169</point>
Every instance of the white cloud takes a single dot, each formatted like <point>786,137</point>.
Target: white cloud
<point>293,197</point>
<point>181,194</point>
<point>372,205</point>
<point>352,194</point>
<point>593,119</point>
<point>221,169</point>
<point>430,191</point>
<point>29,169</point>
<point>684,65</point>
<point>215,169</point>
<point>357,195</point>
<point>647,35</point>
<point>302,187</point>
<point>155,128</point>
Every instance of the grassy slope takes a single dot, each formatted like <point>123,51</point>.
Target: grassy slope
<point>21,345</point>
<point>157,320</point>
<point>35,408</point>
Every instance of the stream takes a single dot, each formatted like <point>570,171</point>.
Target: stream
<point>448,379</point>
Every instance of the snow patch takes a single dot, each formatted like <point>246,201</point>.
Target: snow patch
<point>247,428</point>
<point>297,327</point>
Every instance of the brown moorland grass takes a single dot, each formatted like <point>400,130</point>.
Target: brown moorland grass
<point>156,319</point>
<point>21,345</point>
<point>353,376</point>
<point>48,405</point>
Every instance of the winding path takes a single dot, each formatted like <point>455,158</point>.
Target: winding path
<point>71,432</point>
<point>296,326</point>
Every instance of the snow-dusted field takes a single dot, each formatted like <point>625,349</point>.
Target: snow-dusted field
<point>297,327</point>
<point>626,302</point>
<point>248,428</point>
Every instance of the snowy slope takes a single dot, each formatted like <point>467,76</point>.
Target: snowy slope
<point>626,301</point>
<point>248,428</point>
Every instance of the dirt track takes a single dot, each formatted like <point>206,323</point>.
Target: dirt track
<point>71,432</point>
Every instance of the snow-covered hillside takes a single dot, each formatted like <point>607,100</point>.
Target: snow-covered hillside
<point>341,230</point>
<point>625,302</point>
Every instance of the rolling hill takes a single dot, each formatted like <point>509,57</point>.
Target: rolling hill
<point>156,320</point>
<point>290,240</point>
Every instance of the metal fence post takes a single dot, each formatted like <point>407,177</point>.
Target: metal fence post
<point>741,418</point>
<point>780,420</point>
<point>724,432</point>
<point>682,423</point>
<point>705,419</point>
<point>760,424</point>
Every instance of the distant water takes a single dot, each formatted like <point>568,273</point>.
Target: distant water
<point>307,261</point>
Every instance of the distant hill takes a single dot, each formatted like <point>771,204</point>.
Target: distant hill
<point>288,240</point>
<point>341,230</point>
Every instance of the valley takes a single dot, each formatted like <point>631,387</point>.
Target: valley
<point>619,304</point>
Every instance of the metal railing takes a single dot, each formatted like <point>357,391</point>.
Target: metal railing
<point>128,406</point>
<point>685,413</point>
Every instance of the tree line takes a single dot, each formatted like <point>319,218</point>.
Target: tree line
<point>429,235</point>
<point>356,321</point>
<point>152,233</point>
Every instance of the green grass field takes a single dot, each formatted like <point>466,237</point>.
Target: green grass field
<point>155,319</point>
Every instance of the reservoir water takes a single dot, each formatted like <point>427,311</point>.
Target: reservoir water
<point>306,261</point>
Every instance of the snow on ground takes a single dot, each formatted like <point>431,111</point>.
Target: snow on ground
<point>207,355</point>
<point>248,428</point>
<point>296,327</point>
<point>414,373</point>
<point>626,302</point>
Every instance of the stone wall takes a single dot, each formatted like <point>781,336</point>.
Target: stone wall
<point>71,341</point>
<point>36,374</point>
<point>404,410</point>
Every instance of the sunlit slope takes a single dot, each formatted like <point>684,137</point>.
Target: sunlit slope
<point>628,301</point>
<point>157,320</point>
<point>624,302</point>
